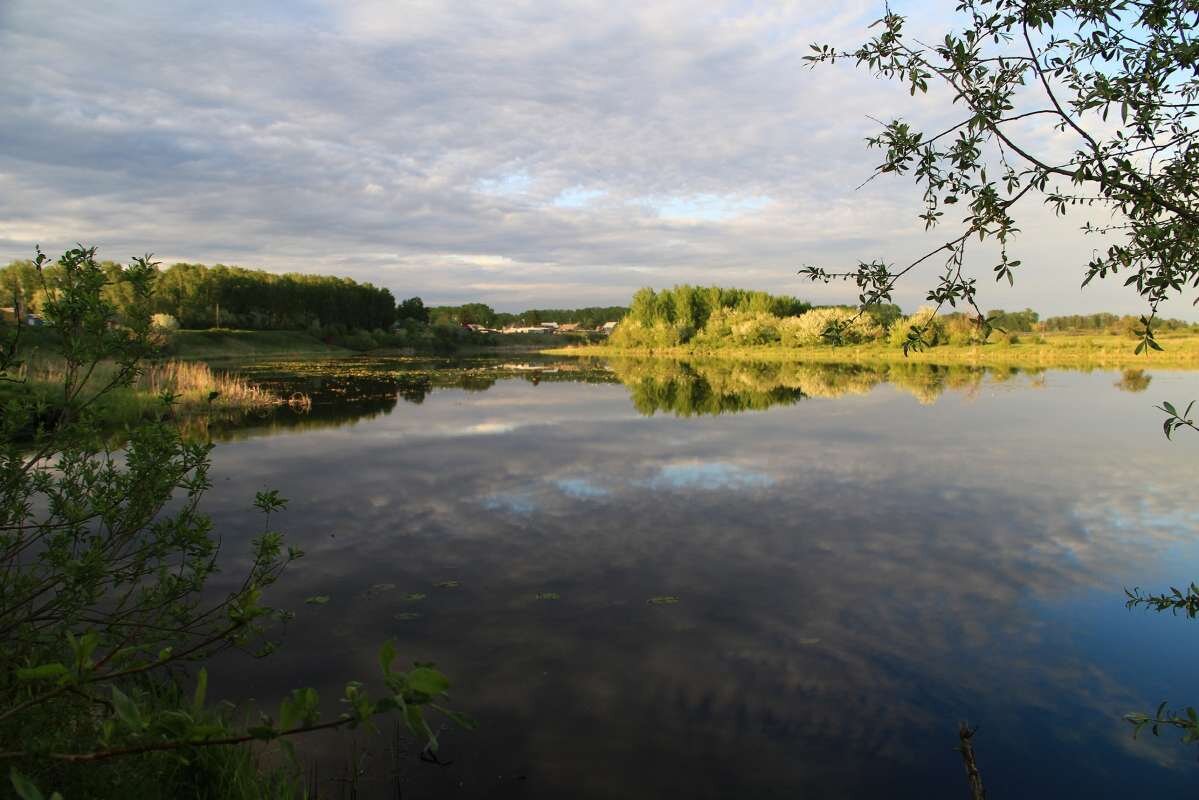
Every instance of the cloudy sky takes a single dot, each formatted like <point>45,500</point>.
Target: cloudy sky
<point>520,153</point>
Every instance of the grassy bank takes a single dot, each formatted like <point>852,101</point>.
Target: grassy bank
<point>1066,351</point>
<point>196,387</point>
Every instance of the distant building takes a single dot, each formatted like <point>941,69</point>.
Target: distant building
<point>567,327</point>
<point>526,329</point>
<point>607,327</point>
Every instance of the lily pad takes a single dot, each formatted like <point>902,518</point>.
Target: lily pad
<point>447,585</point>
<point>663,600</point>
<point>547,596</point>
<point>379,587</point>
<point>406,615</point>
<point>317,600</point>
<point>415,596</point>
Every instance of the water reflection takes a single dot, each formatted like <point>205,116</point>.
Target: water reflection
<point>853,577</point>
<point>688,388</point>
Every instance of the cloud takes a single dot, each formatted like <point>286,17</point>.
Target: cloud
<point>590,149</point>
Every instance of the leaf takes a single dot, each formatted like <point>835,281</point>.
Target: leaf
<point>547,596</point>
<point>317,599</point>
<point>414,596</point>
<point>126,709</point>
<point>447,585</point>
<point>387,654</point>
<point>419,727</point>
<point>406,615</point>
<point>429,681</point>
<point>25,788</point>
<point>664,600</point>
<point>201,691</point>
<point>42,673</point>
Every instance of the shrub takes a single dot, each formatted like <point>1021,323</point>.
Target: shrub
<point>925,320</point>
<point>809,328</point>
<point>739,328</point>
<point>164,323</point>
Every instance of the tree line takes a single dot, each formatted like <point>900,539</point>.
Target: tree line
<point>485,315</point>
<point>716,316</point>
<point>199,296</point>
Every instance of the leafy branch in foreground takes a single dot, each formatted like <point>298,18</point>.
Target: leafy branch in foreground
<point>1115,80</point>
<point>104,560</point>
<point>1186,720</point>
<point>1174,420</point>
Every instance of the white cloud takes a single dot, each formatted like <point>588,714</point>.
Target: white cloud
<point>581,151</point>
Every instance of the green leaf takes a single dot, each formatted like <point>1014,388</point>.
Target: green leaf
<point>25,788</point>
<point>317,600</point>
<point>419,727</point>
<point>201,691</point>
<point>44,672</point>
<point>126,709</point>
<point>429,681</point>
<point>387,654</point>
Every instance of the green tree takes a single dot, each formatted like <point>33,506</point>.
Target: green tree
<point>414,309</point>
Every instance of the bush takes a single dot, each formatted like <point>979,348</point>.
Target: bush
<point>808,329</point>
<point>164,323</point>
<point>925,320</point>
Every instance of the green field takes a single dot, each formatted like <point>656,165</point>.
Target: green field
<point>1062,350</point>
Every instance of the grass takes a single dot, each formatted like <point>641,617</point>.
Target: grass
<point>1060,350</point>
<point>198,389</point>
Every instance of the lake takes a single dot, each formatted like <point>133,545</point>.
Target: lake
<point>713,579</point>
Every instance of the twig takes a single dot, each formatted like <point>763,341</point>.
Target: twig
<point>966,748</point>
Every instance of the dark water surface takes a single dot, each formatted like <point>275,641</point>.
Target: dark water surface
<point>861,558</point>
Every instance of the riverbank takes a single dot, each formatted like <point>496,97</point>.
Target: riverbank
<point>196,390</point>
<point>1065,351</point>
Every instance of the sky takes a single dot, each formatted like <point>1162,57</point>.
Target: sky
<point>523,154</point>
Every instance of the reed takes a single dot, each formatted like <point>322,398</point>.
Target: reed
<point>196,388</point>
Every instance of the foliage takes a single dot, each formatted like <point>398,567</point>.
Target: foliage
<point>589,317</point>
<point>1116,79</point>
<point>1014,321</point>
<point>164,322</point>
<point>198,296</point>
<point>482,314</point>
<point>1174,420</point>
<point>102,606</point>
<point>675,316</point>
<point>922,329</point>
<point>412,309</point>
<point>1111,323</point>
<point>811,327</point>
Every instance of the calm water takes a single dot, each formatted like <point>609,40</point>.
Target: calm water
<point>860,559</point>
